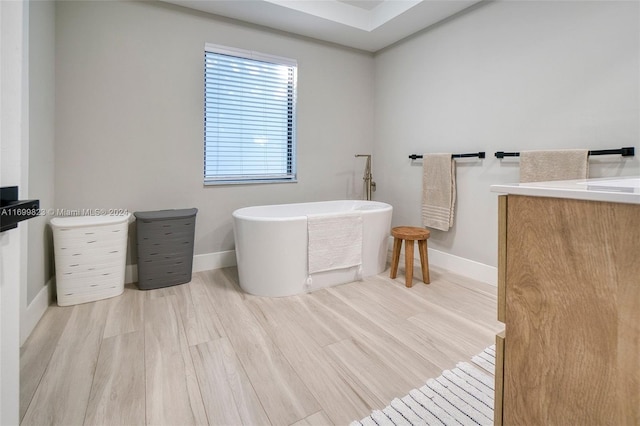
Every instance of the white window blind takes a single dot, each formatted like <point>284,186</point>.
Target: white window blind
<point>250,115</point>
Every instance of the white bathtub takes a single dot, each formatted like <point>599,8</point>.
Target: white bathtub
<point>271,246</point>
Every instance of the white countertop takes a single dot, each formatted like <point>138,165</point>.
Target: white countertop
<point>615,190</point>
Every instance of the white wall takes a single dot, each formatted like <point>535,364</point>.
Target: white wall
<point>41,153</point>
<point>129,114</point>
<point>506,76</point>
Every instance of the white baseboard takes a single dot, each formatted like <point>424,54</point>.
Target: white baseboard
<point>201,262</point>
<point>221,259</point>
<point>35,310</point>
<point>131,274</point>
<point>459,265</point>
<point>465,267</point>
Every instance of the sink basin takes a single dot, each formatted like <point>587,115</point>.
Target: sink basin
<point>615,183</point>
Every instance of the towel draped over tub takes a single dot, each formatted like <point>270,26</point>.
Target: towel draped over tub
<point>335,242</point>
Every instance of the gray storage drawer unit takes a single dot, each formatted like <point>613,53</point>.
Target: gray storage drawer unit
<point>165,247</point>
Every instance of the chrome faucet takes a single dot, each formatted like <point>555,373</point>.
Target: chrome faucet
<point>369,184</point>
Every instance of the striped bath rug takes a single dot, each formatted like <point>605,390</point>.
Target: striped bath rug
<point>461,396</point>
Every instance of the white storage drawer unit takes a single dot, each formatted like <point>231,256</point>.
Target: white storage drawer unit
<point>90,253</point>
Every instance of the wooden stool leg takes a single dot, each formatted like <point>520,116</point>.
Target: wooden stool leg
<point>424,261</point>
<point>408,262</point>
<point>395,258</point>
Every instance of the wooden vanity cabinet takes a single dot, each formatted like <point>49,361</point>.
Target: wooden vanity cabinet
<point>569,296</point>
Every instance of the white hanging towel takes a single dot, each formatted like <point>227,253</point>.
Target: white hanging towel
<point>438,191</point>
<point>335,241</point>
<point>561,164</point>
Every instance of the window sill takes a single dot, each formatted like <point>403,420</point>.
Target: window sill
<point>248,182</point>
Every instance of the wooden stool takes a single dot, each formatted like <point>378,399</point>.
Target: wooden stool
<point>410,234</point>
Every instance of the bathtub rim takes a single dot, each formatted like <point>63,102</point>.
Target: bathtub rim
<point>241,213</point>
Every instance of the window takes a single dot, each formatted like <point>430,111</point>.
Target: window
<point>249,116</point>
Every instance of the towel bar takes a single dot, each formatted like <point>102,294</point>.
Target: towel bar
<point>473,154</point>
<point>628,151</point>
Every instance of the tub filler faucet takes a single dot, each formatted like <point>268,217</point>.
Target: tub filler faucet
<point>369,184</point>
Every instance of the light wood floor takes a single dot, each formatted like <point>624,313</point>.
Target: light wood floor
<point>207,353</point>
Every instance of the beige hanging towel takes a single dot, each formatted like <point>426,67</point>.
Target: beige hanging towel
<point>438,191</point>
<point>561,164</point>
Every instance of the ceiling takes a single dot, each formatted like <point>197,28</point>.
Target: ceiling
<point>368,25</point>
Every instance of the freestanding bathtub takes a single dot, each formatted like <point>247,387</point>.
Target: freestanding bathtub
<point>271,246</point>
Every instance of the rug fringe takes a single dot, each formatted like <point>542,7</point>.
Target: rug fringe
<point>463,395</point>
